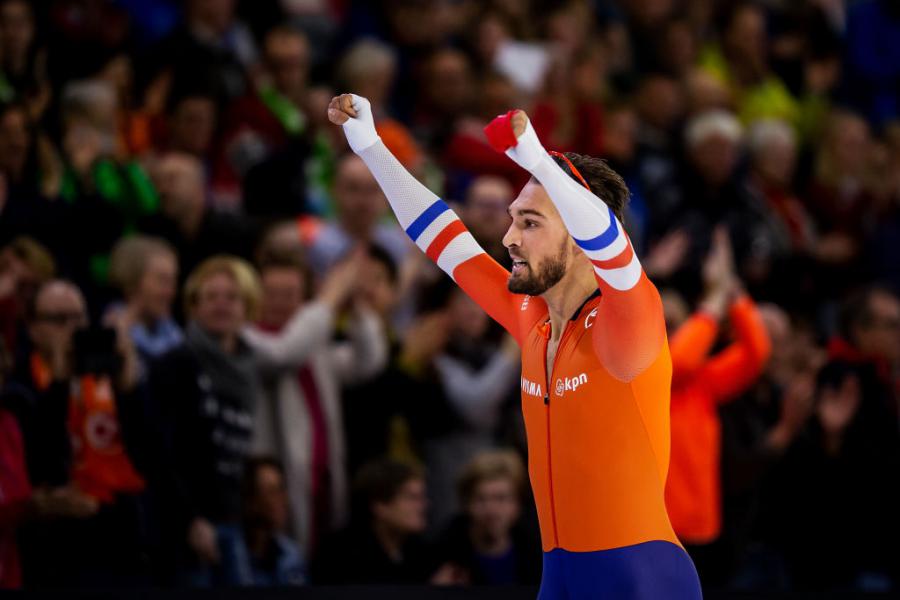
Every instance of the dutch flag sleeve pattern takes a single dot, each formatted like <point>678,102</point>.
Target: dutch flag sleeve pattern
<point>435,228</point>
<point>630,328</point>
<point>589,220</point>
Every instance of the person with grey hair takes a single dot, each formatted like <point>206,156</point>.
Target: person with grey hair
<point>713,139</point>
<point>772,145</point>
<point>104,192</point>
<point>145,269</point>
<point>714,194</point>
<point>369,66</point>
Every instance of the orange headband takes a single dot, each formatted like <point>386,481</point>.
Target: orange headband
<point>572,167</point>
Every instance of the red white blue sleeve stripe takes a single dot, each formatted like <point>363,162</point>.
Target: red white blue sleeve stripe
<point>427,219</point>
<point>592,224</point>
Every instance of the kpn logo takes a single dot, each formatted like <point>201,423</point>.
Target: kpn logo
<point>570,384</point>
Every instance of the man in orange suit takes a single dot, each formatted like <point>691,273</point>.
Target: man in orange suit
<point>596,371</point>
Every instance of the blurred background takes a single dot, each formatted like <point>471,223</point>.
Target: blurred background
<point>223,364</point>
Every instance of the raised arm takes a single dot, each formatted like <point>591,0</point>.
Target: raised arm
<point>734,369</point>
<point>429,222</point>
<point>691,344</point>
<point>630,329</point>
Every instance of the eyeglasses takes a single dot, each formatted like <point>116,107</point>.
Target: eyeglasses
<point>61,319</point>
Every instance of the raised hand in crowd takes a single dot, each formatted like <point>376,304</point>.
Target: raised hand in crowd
<point>797,405</point>
<point>668,254</point>
<point>342,281</point>
<point>719,276</point>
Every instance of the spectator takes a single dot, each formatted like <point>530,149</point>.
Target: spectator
<point>488,544</point>
<point>210,40</point>
<point>384,543</point>
<point>195,230</point>
<point>484,213</point>
<point>677,47</point>
<point>660,105</point>
<point>23,69</point>
<point>621,153</point>
<point>465,152</point>
<point>105,194</point>
<point>383,428</point>
<point>31,171</point>
<point>869,337</point>
<point>205,393</point>
<point>699,384</point>
<point>300,419</point>
<point>19,502</point>
<point>713,194</point>
<point>360,208</point>
<point>836,468</point>
<point>75,404</point>
<point>839,196</point>
<point>569,116</point>
<point>773,158</point>
<point>369,67</point>
<point>448,93</point>
<point>145,269</point>
<point>477,375</point>
<point>740,61</point>
<point>191,120</point>
<point>135,122</point>
<point>757,430</point>
<point>258,552</point>
<point>772,146</point>
<point>25,265</point>
<point>267,133</point>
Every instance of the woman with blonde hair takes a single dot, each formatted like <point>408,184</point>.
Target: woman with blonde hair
<point>204,393</point>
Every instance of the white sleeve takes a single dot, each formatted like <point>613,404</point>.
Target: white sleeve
<point>591,223</point>
<point>307,331</point>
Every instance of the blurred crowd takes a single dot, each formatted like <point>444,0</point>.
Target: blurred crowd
<point>223,363</point>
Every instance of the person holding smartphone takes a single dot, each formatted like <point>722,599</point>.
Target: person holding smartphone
<point>71,393</point>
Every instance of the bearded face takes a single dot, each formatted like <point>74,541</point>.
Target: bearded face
<point>534,277</point>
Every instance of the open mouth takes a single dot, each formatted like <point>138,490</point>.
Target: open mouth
<point>519,265</point>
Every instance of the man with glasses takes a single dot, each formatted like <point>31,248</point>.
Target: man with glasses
<point>70,419</point>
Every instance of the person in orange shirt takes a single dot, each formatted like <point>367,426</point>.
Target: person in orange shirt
<point>596,370</point>
<point>700,383</point>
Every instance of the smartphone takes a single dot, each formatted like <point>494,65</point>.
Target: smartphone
<point>95,351</point>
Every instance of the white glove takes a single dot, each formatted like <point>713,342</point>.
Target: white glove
<point>360,130</point>
<point>528,151</point>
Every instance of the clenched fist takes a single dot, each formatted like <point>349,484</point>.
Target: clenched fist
<point>341,108</point>
<point>354,114</point>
